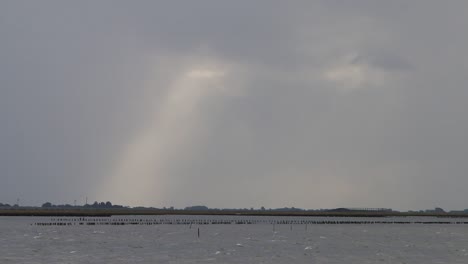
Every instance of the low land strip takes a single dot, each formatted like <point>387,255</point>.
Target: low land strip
<point>129,211</point>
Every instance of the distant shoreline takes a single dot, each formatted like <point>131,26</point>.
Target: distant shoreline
<point>128,211</point>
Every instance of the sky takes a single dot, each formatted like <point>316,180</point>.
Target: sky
<point>235,104</point>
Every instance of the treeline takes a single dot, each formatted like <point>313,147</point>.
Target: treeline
<point>284,209</point>
<point>203,208</point>
<point>95,205</point>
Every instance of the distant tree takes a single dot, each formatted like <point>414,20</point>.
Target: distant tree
<point>263,208</point>
<point>103,205</point>
<point>197,208</point>
<point>47,205</point>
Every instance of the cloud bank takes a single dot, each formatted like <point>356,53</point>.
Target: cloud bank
<point>306,104</point>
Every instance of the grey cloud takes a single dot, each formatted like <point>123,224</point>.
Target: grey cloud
<point>80,81</point>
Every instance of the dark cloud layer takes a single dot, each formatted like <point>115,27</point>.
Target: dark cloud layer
<point>234,104</point>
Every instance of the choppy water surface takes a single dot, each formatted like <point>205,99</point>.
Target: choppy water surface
<point>23,242</point>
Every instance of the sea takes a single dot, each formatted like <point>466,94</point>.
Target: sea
<point>232,239</point>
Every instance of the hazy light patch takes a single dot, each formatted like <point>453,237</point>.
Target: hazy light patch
<point>142,170</point>
<point>204,73</point>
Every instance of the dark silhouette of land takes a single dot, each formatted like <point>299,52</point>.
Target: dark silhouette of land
<point>108,209</point>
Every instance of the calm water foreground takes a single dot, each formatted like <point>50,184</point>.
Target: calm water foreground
<point>23,242</point>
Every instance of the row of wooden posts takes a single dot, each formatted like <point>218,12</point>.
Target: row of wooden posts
<point>121,222</point>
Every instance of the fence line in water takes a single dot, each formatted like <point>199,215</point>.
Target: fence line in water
<point>227,220</point>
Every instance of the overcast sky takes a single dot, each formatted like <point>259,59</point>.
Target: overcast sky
<point>311,104</point>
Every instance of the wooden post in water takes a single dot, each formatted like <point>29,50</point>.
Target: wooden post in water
<point>198,232</point>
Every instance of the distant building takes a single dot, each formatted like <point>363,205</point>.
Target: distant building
<point>436,210</point>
